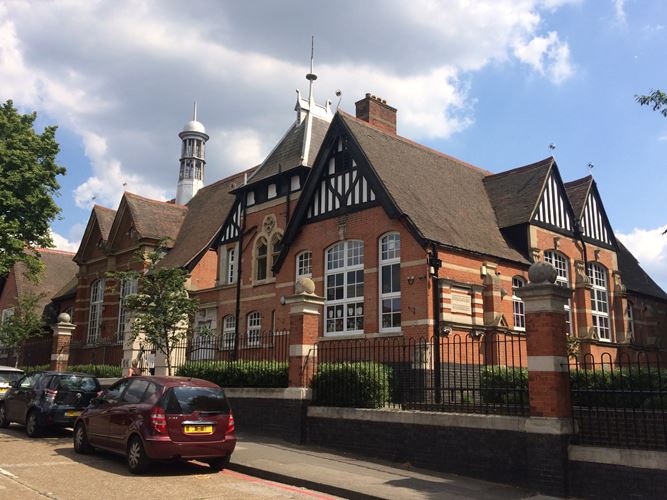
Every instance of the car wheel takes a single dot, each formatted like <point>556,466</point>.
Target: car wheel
<point>81,443</point>
<point>217,464</point>
<point>4,421</point>
<point>137,460</point>
<point>32,427</point>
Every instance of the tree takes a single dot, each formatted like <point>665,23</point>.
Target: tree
<point>24,324</point>
<point>657,99</point>
<point>28,172</point>
<point>162,311</point>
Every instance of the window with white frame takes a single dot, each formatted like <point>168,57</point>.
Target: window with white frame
<point>304,265</point>
<point>390,282</point>
<point>95,315</point>
<point>599,300</point>
<point>127,287</point>
<point>254,329</point>
<point>231,266</point>
<point>228,332</point>
<point>261,259</point>
<point>518,307</point>
<point>562,266</point>
<point>631,321</point>
<point>344,283</point>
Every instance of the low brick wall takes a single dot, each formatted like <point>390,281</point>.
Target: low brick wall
<point>279,413</point>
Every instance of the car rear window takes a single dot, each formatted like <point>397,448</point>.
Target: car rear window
<point>186,400</point>
<point>75,383</point>
<point>10,376</point>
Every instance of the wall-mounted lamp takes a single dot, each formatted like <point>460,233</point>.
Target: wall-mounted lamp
<point>446,331</point>
<point>411,280</point>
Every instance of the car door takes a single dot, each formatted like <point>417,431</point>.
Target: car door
<point>126,412</point>
<point>98,416</point>
<point>18,398</point>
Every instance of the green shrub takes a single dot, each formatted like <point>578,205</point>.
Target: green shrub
<point>29,370</point>
<point>358,385</point>
<point>101,371</point>
<point>619,387</point>
<point>502,384</point>
<point>238,373</point>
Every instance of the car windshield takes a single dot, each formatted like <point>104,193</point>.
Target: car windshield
<point>186,400</point>
<point>10,377</point>
<point>76,383</point>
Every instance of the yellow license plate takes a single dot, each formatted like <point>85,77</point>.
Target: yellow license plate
<point>71,413</point>
<point>198,429</point>
<point>3,390</point>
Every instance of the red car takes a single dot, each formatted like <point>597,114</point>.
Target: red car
<point>159,418</point>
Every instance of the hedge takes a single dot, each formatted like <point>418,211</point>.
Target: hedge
<point>502,384</point>
<point>238,373</point>
<point>357,385</point>
<point>101,371</point>
<point>29,370</point>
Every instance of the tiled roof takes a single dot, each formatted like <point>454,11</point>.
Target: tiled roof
<point>577,191</point>
<point>444,197</point>
<point>514,193</point>
<point>288,152</point>
<point>105,217</point>
<point>59,270</point>
<point>634,277</point>
<point>155,219</point>
<point>207,212</point>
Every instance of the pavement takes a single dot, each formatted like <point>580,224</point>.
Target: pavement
<point>349,476</point>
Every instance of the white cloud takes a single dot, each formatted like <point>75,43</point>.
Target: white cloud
<point>619,11</point>
<point>649,246</point>
<point>662,138</point>
<point>548,55</point>
<point>62,243</point>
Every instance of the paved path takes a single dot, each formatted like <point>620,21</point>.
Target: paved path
<point>348,476</point>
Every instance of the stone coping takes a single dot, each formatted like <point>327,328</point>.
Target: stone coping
<point>300,393</point>
<point>643,459</point>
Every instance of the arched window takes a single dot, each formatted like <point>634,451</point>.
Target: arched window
<point>127,287</point>
<point>261,253</point>
<point>518,307</point>
<point>390,282</point>
<point>228,331</point>
<point>304,265</point>
<point>276,240</point>
<point>562,266</point>
<point>344,306</point>
<point>95,316</point>
<point>599,300</point>
<point>254,329</point>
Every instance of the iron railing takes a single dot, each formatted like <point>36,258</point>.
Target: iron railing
<point>478,373</point>
<point>620,400</point>
<point>102,352</point>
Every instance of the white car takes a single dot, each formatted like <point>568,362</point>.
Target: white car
<point>8,375</point>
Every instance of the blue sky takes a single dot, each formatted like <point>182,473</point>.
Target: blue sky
<point>490,82</point>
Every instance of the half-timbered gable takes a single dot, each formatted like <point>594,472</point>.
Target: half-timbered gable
<point>554,210</point>
<point>593,221</point>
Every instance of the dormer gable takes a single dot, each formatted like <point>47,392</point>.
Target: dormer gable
<point>553,209</point>
<point>590,213</point>
<point>95,237</point>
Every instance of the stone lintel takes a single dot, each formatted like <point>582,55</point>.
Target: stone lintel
<point>305,303</point>
<point>544,297</point>
<point>547,364</point>
<point>302,350</point>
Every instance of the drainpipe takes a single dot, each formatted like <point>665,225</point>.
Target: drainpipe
<point>239,274</point>
<point>434,265</point>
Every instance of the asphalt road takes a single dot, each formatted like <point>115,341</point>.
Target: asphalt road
<point>47,467</point>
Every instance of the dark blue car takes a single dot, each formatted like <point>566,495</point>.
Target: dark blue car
<point>47,399</point>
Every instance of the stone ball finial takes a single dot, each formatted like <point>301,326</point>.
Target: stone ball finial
<point>542,272</point>
<point>64,318</point>
<point>305,285</point>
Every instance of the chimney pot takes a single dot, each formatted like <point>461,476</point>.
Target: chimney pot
<point>377,112</point>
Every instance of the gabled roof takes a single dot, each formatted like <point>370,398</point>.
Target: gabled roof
<point>297,148</point>
<point>59,269</point>
<point>67,291</point>
<point>207,212</point>
<point>634,277</point>
<point>152,219</point>
<point>515,193</point>
<point>577,192</point>
<point>100,217</point>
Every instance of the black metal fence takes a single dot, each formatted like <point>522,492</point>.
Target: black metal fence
<point>620,400</point>
<point>103,352</point>
<point>455,373</point>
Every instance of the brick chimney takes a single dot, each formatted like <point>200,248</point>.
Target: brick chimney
<point>377,112</point>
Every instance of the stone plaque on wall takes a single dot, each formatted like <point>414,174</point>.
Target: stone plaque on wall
<point>461,302</point>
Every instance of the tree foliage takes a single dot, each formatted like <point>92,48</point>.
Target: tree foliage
<point>28,172</point>
<point>161,311</point>
<point>657,99</point>
<point>25,323</point>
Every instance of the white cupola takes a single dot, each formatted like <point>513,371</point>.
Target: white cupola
<point>193,159</point>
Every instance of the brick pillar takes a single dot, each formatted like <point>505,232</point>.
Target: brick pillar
<point>62,336</point>
<point>550,423</point>
<point>304,322</point>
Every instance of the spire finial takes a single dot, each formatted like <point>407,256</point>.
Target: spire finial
<point>311,77</point>
<point>194,112</point>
